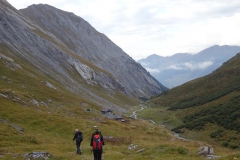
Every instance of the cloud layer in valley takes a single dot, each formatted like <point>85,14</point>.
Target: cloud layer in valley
<point>182,66</point>
<point>191,65</point>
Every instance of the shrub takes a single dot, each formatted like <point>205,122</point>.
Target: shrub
<point>213,135</point>
<point>233,146</point>
<point>225,144</point>
<point>182,150</point>
<point>33,140</point>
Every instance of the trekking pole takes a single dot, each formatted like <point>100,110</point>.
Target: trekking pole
<point>92,153</point>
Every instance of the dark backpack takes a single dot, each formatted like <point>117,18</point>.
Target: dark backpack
<point>79,137</point>
<point>97,142</point>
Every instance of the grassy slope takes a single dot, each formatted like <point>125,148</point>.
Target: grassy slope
<point>208,106</point>
<point>50,128</point>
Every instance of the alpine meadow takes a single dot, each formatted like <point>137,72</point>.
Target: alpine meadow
<point>58,74</point>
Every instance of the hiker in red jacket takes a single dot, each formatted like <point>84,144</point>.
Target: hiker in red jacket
<point>97,143</point>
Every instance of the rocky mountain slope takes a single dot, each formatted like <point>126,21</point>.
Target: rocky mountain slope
<point>180,68</point>
<point>94,47</point>
<point>66,48</point>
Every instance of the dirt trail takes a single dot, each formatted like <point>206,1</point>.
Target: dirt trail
<point>134,114</point>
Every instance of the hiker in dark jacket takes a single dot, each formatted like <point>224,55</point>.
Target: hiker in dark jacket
<point>79,138</point>
<point>97,143</point>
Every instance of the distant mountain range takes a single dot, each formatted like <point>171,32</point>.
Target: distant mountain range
<point>175,70</point>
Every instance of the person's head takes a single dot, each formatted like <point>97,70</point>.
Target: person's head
<point>76,130</point>
<point>96,130</point>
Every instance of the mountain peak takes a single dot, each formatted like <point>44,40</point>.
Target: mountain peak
<point>182,67</point>
<point>67,48</point>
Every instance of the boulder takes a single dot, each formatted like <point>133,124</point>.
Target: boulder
<point>37,155</point>
<point>205,151</point>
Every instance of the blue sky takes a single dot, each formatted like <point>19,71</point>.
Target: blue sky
<point>166,27</point>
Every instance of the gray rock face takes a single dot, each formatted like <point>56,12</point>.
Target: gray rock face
<point>13,125</point>
<point>205,151</point>
<point>95,47</point>
<point>9,62</point>
<point>58,43</point>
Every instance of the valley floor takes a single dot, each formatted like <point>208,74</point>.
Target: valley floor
<point>48,131</point>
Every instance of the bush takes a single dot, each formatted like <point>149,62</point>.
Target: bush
<point>233,146</point>
<point>182,150</point>
<point>213,135</point>
<point>225,144</point>
<point>218,133</point>
<point>33,140</point>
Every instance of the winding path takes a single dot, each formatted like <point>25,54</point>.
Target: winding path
<point>134,114</point>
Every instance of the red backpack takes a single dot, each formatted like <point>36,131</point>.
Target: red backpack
<point>97,142</point>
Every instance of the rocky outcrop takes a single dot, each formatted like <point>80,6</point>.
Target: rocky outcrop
<point>18,128</point>
<point>207,152</point>
<point>9,62</point>
<point>37,155</point>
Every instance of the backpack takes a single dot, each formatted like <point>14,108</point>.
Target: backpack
<point>97,142</point>
<point>79,137</point>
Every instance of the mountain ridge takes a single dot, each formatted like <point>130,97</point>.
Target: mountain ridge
<point>55,58</point>
<point>175,70</point>
<point>106,55</point>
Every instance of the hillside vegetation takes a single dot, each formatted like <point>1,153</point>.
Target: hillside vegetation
<point>39,114</point>
<point>206,108</point>
<point>47,91</point>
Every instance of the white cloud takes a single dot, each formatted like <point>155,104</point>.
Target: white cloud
<point>191,65</point>
<point>176,67</point>
<point>165,27</point>
<point>153,70</point>
<point>200,66</point>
